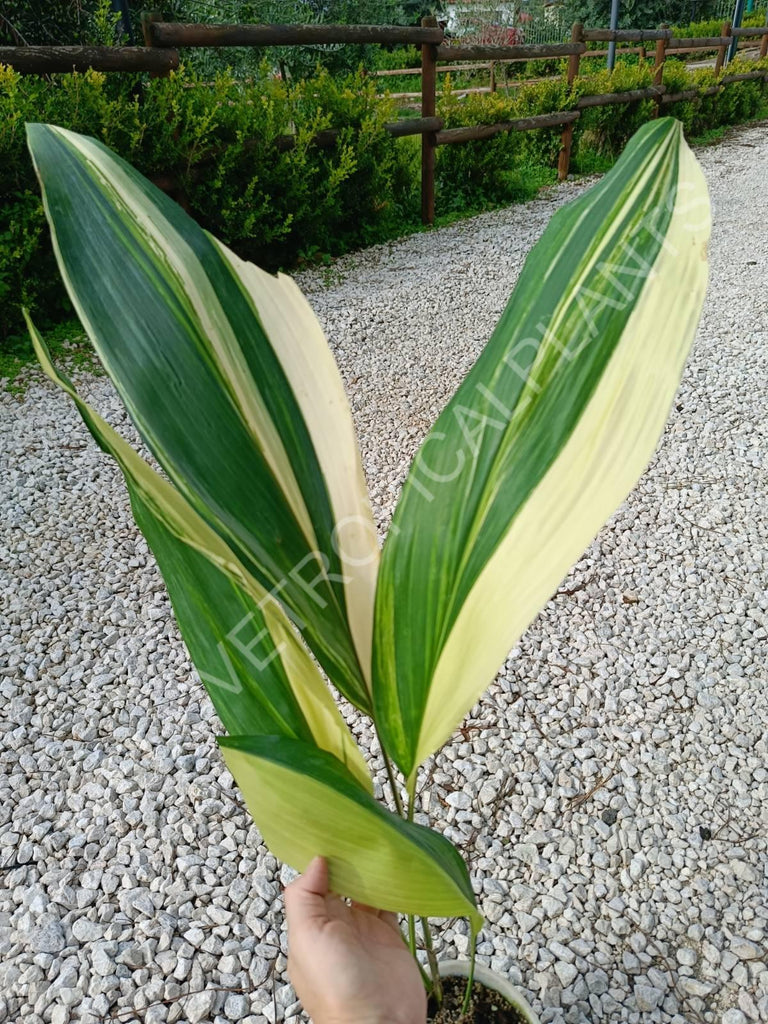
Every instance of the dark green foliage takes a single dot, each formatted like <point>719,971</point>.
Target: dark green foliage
<point>293,62</point>
<point>640,13</point>
<point>713,26</point>
<point>510,166</point>
<point>67,22</point>
<point>602,132</point>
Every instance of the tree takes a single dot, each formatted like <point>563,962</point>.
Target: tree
<point>640,13</point>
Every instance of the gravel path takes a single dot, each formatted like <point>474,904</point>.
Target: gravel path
<point>611,789</point>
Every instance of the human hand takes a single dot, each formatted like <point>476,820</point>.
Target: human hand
<point>348,964</point>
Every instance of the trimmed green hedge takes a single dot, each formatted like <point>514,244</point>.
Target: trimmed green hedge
<point>216,141</point>
<point>500,169</point>
<point>712,27</point>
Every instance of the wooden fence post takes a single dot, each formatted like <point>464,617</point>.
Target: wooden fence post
<point>566,139</point>
<point>147,17</point>
<point>493,77</point>
<point>658,67</point>
<point>722,50</point>
<point>764,44</point>
<point>428,108</point>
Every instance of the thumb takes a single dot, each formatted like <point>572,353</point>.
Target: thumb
<point>305,897</point>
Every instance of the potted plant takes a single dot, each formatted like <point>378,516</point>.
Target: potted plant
<point>260,521</point>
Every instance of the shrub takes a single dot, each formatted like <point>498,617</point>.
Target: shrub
<point>713,26</point>
<point>498,169</point>
<point>602,132</point>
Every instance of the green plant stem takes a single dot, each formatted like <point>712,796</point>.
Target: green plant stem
<point>471,978</point>
<point>411,786</point>
<point>391,777</point>
<point>411,790</point>
<point>412,935</point>
<point>437,985</point>
<point>409,815</point>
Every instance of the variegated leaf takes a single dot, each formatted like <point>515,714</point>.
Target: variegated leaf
<point>227,375</point>
<point>543,440</point>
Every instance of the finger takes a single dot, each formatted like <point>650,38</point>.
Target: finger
<point>305,898</point>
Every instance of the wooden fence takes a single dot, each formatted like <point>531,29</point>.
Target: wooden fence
<point>642,52</point>
<point>159,56</point>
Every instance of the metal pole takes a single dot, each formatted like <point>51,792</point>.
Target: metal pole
<point>428,106</point>
<point>614,25</point>
<point>121,7</point>
<point>738,14</point>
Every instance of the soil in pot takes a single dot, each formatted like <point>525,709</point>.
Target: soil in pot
<point>486,1007</point>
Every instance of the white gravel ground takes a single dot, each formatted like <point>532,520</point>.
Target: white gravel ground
<point>610,791</point>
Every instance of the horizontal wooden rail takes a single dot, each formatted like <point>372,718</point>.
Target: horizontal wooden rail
<point>631,35</point>
<point>759,30</point>
<point>417,71</point>
<point>620,51</point>
<point>690,49</point>
<point>624,35</point>
<point>509,53</point>
<point>605,99</point>
<point>687,94</point>
<point>167,33</point>
<point>690,94</point>
<point>43,60</point>
<point>414,126</point>
<point>522,124</point>
<point>743,77</point>
<point>695,49</point>
<point>705,43</point>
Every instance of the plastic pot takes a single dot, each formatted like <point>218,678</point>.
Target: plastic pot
<point>490,979</point>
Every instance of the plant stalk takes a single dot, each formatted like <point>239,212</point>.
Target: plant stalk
<point>471,977</point>
<point>437,985</point>
<point>412,936</point>
<point>391,777</point>
<point>411,919</point>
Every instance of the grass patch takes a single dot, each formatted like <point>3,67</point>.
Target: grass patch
<point>68,344</point>
<point>589,161</point>
<point>713,135</point>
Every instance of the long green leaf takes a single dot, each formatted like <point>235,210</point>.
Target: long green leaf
<point>306,804</point>
<point>543,440</point>
<point>228,378</point>
<point>258,674</point>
